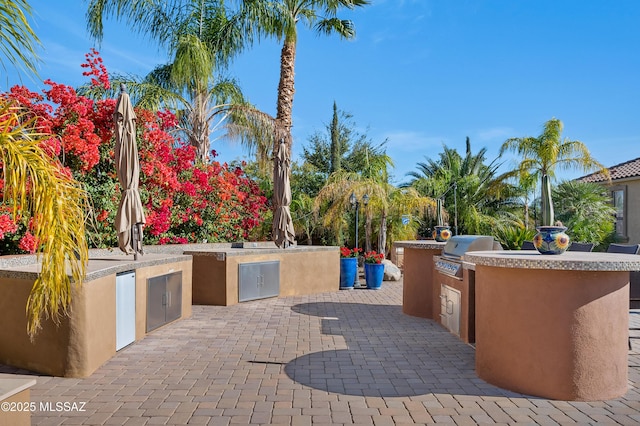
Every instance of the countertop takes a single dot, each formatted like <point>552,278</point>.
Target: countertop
<point>11,385</point>
<point>248,250</point>
<point>420,244</point>
<point>567,261</point>
<point>98,266</point>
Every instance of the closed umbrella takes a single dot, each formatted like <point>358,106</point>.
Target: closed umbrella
<point>283,232</point>
<point>130,216</point>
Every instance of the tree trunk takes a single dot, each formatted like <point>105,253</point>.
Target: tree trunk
<point>285,103</point>
<point>286,91</point>
<point>367,232</point>
<point>199,136</point>
<point>382,237</point>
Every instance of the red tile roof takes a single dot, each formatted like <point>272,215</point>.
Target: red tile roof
<point>619,171</point>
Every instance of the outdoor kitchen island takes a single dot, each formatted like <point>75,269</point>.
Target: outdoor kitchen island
<point>554,326</point>
<point>418,290</point>
<point>248,271</point>
<point>119,302</point>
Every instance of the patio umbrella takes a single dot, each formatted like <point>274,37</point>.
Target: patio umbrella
<point>130,216</point>
<point>283,232</point>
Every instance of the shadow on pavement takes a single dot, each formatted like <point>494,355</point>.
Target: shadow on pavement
<point>389,354</point>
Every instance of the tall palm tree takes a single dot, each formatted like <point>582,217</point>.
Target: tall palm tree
<point>36,186</point>
<point>201,38</point>
<point>541,156</point>
<point>18,42</point>
<point>280,19</point>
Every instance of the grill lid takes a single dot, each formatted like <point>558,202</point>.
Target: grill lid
<point>460,244</point>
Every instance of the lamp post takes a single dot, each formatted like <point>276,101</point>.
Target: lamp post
<point>454,185</point>
<point>355,203</point>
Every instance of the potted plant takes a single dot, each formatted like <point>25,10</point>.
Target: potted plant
<point>373,269</point>
<point>551,238</point>
<point>348,267</point>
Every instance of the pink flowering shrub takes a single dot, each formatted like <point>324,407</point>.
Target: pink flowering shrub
<point>183,202</point>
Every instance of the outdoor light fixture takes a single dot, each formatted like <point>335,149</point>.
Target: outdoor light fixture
<point>356,205</point>
<point>453,186</point>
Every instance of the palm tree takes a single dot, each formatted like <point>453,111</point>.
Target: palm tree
<point>479,190</point>
<point>541,156</point>
<point>280,19</point>
<point>201,38</point>
<point>37,186</point>
<point>585,209</point>
<point>385,202</point>
<point>18,42</point>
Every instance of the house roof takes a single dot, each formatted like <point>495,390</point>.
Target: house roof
<point>627,169</point>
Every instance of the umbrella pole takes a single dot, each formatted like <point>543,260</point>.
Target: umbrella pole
<point>136,240</point>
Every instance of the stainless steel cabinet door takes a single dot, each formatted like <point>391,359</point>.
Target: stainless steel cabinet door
<point>174,297</point>
<point>125,309</point>
<point>258,280</point>
<point>164,299</point>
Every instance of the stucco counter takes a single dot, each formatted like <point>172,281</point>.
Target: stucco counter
<point>87,338</point>
<point>554,326</point>
<point>418,293</point>
<point>15,395</point>
<point>302,270</point>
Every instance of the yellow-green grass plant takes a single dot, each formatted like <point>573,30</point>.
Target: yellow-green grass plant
<point>37,186</point>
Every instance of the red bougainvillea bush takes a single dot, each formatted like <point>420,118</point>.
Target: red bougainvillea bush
<point>184,202</point>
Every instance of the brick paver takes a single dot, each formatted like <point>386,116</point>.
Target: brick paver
<point>349,357</point>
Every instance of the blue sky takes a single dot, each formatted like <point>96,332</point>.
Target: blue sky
<point>420,73</point>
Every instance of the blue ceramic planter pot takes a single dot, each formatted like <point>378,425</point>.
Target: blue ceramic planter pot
<point>551,240</point>
<point>442,233</point>
<point>348,271</point>
<point>373,274</point>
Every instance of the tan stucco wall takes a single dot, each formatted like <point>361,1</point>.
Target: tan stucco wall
<point>418,290</point>
<point>554,334</point>
<point>215,282</point>
<point>86,339</point>
<point>633,211</point>
<point>49,349</point>
<point>92,327</point>
<point>17,418</point>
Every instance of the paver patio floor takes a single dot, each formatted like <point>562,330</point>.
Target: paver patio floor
<point>349,357</point>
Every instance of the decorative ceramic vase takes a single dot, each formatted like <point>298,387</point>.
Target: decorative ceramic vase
<point>442,233</point>
<point>551,239</point>
<point>373,275</point>
<point>348,271</point>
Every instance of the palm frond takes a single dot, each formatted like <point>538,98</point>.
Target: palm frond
<point>18,42</point>
<point>39,187</point>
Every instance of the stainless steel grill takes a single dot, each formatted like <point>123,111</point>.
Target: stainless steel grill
<point>456,283</point>
<point>449,263</point>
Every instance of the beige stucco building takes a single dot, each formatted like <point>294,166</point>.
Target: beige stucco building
<point>625,192</point>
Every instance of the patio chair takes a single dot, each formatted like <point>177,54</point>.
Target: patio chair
<point>624,248</point>
<point>527,245</point>
<point>581,247</point>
